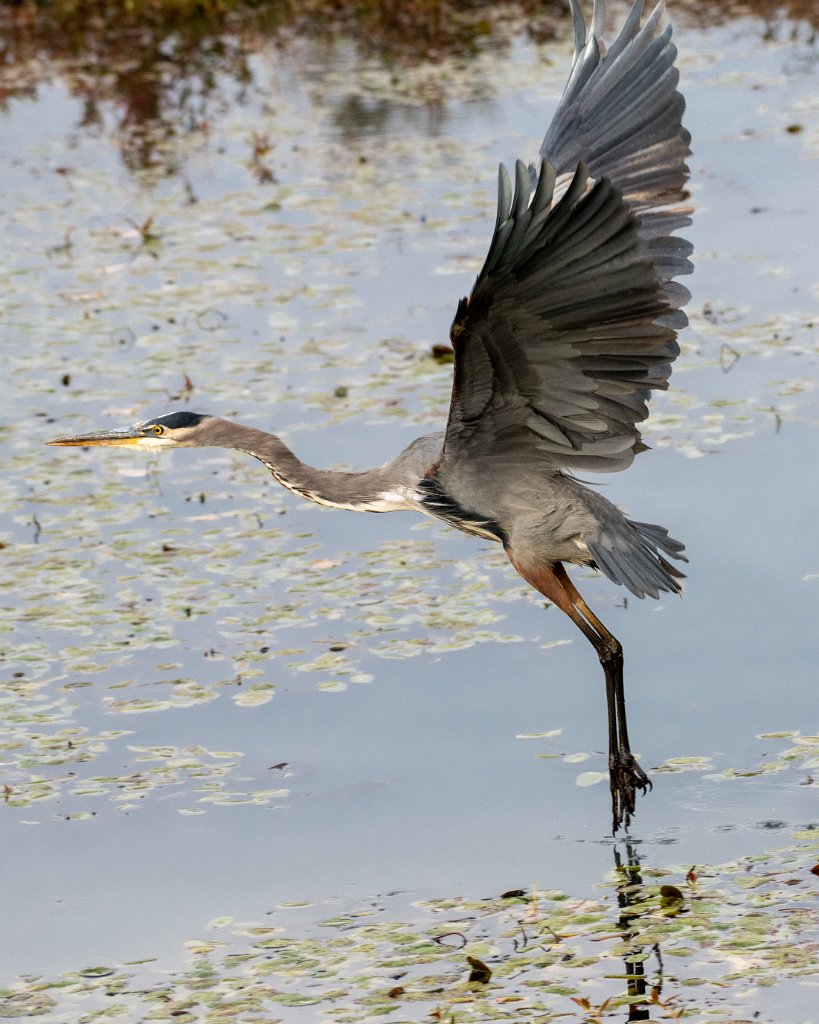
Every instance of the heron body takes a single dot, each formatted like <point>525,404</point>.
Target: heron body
<point>569,328</point>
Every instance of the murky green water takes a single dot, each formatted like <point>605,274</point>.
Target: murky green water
<point>216,699</point>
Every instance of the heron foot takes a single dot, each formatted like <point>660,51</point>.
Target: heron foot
<point>626,777</point>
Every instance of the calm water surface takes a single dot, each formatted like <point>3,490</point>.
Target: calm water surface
<point>220,699</point>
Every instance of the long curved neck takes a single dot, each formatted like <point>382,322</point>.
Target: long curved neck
<point>374,490</point>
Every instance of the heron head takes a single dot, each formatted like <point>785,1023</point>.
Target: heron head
<point>173,429</point>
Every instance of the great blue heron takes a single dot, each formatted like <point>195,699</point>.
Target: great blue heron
<point>570,326</point>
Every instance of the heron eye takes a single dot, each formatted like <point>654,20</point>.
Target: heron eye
<point>159,430</point>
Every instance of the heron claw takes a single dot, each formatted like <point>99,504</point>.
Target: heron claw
<point>626,778</point>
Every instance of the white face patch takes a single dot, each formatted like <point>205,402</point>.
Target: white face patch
<point>153,441</point>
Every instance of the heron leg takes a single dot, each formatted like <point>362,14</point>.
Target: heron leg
<point>614,644</point>
<point>625,774</point>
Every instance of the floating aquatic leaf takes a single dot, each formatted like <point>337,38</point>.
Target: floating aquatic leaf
<point>590,778</point>
<point>253,696</point>
<point>685,764</point>
<point>332,686</point>
<point>96,972</point>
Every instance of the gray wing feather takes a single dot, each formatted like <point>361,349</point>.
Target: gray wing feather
<point>571,322</point>
<point>631,554</point>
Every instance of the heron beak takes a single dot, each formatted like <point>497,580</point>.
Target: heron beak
<point>109,437</point>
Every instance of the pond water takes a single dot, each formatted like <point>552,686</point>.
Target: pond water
<point>218,699</point>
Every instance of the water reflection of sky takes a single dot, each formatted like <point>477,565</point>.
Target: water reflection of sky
<point>405,771</point>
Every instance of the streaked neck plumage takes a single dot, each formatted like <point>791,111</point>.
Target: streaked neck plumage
<point>388,488</point>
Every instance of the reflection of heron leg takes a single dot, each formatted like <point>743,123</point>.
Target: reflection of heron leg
<point>630,896</point>
<point>625,774</point>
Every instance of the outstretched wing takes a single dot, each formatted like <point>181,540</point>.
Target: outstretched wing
<point>572,320</point>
